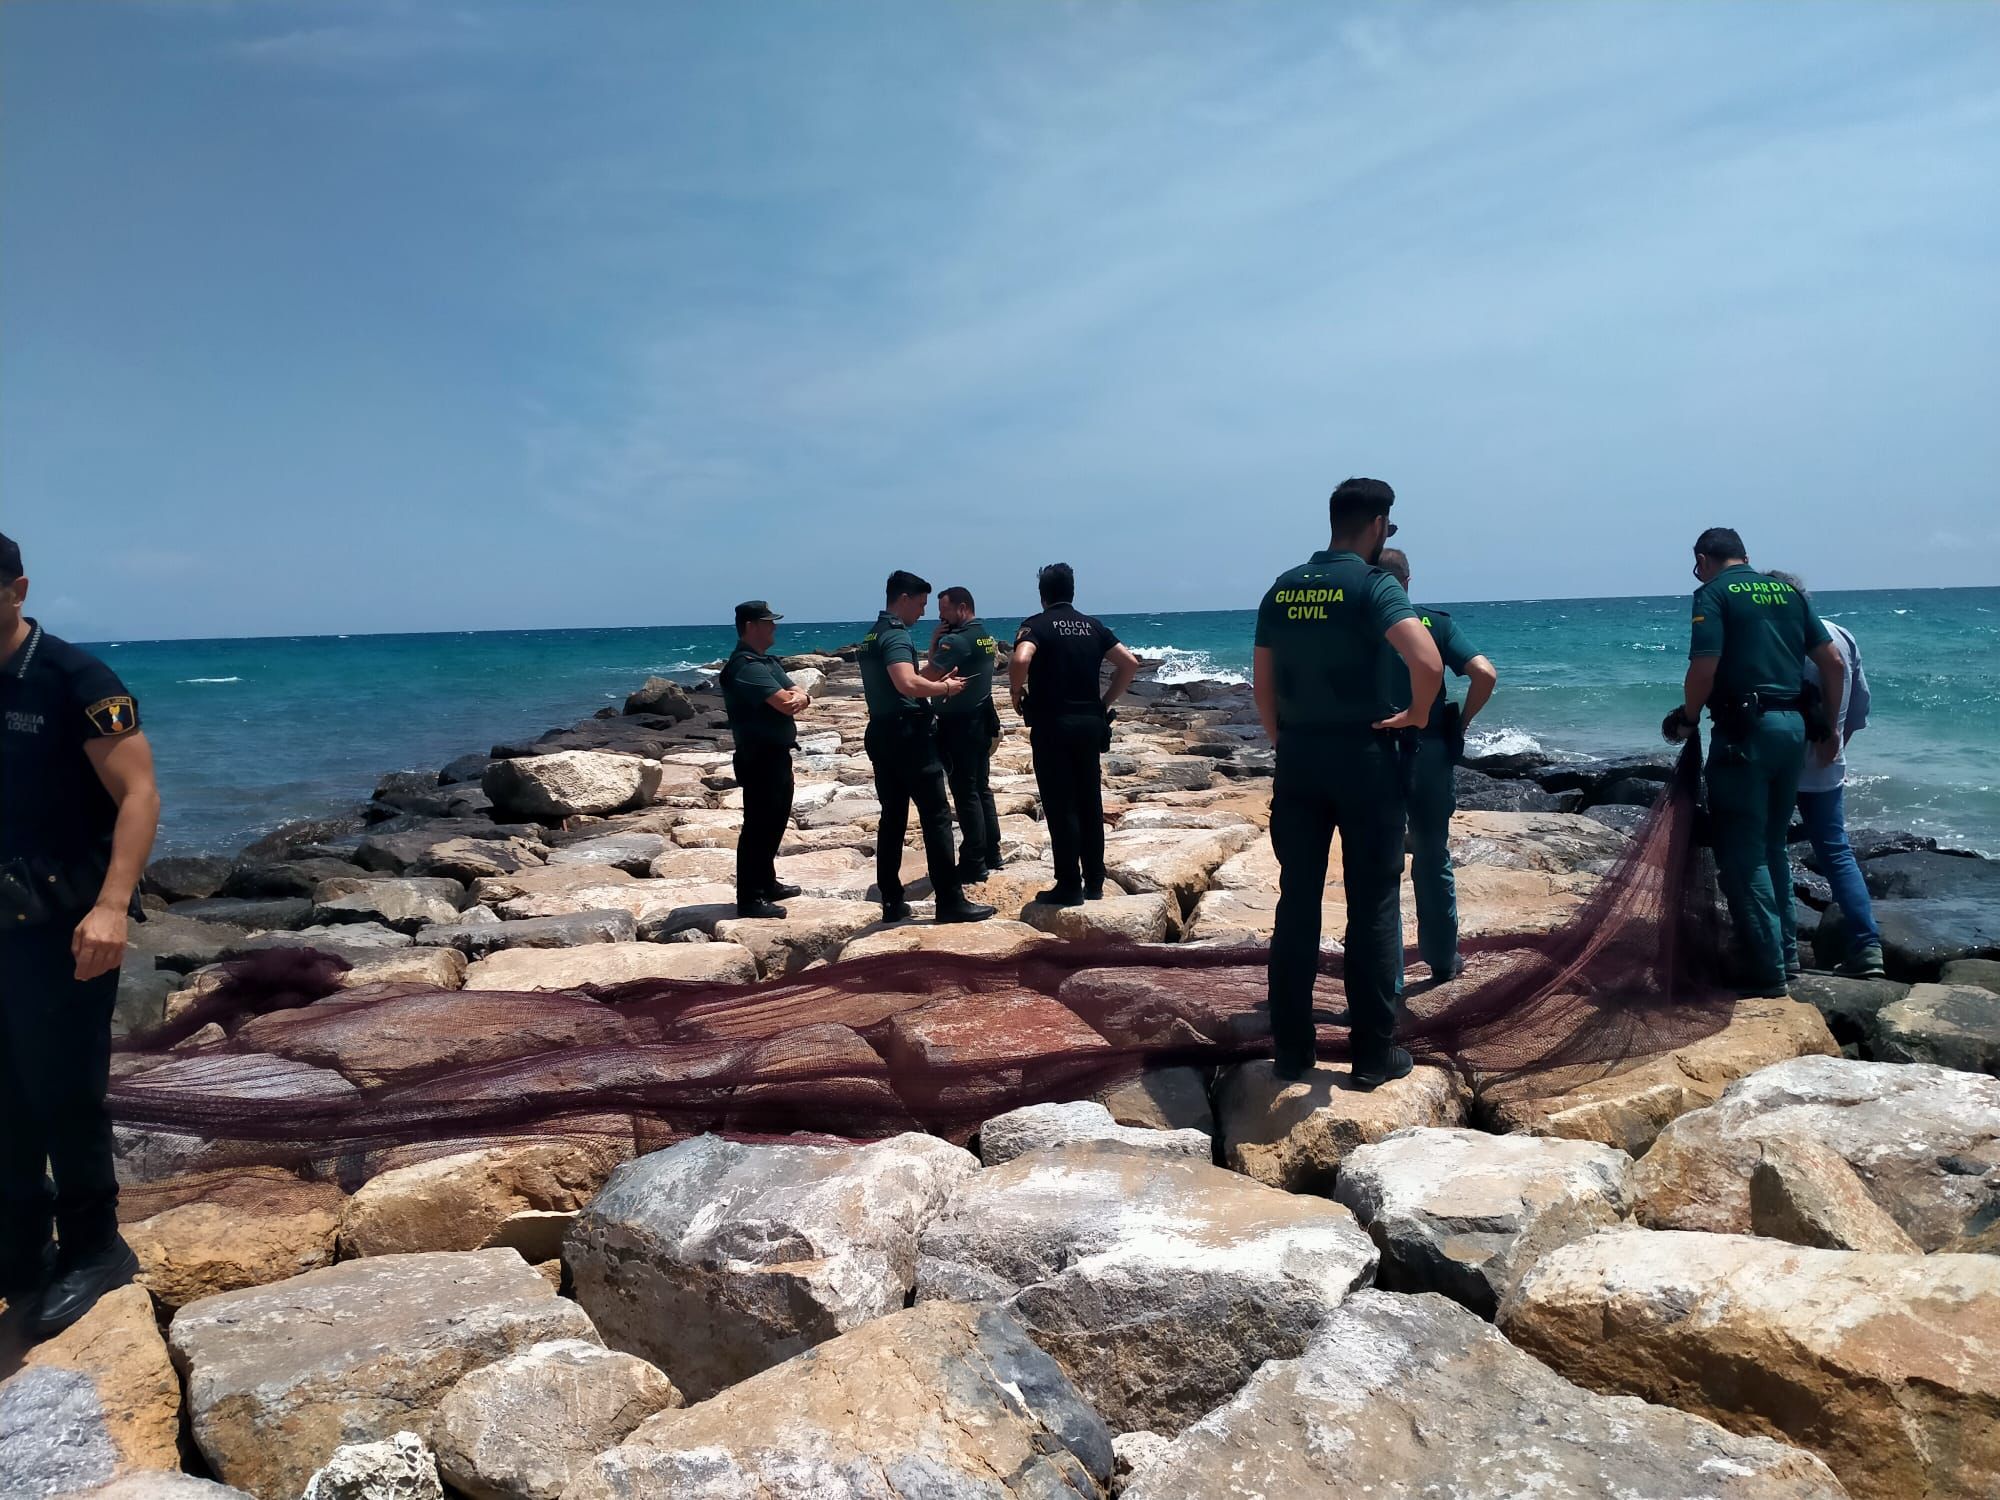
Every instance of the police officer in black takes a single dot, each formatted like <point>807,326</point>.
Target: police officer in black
<point>968,725</point>
<point>1056,682</point>
<point>78,811</point>
<point>1323,683</point>
<point>763,707</point>
<point>902,744</point>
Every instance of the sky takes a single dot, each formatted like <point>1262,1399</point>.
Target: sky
<point>399,315</point>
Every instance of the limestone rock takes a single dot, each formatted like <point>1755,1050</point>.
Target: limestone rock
<point>990,939</point>
<point>1035,1127</point>
<point>1414,1396</point>
<point>1952,1025</point>
<point>524,1427</point>
<point>1807,1194</point>
<point>1145,1007</point>
<point>1886,1366</point>
<point>1150,917</point>
<point>962,1052</point>
<point>357,942</point>
<point>1629,1109</point>
<point>810,929</point>
<point>246,1227</point>
<point>554,787</point>
<point>1925,1142</point>
<point>631,851</point>
<point>460,1201</point>
<point>1161,1099</point>
<point>433,968</point>
<point>695,866</point>
<point>1466,1214</point>
<point>939,1401</point>
<point>400,1468</point>
<point>1295,1135</point>
<point>476,936</point>
<point>162,1484</point>
<point>1176,861</point>
<point>1159,1284</point>
<point>715,1260</point>
<point>1851,1006</point>
<point>98,1401</point>
<point>278,1377</point>
<point>185,877</point>
<point>1983,973</point>
<point>612,963</point>
<point>405,905</point>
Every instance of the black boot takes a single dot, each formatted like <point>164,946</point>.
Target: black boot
<point>895,911</point>
<point>1094,892</point>
<point>80,1280</point>
<point>783,892</point>
<point>1057,895</point>
<point>1379,1066</point>
<point>763,909</point>
<point>958,909</point>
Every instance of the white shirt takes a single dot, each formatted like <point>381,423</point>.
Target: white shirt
<point>1853,712</point>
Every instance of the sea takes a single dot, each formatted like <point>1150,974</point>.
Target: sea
<point>249,733</point>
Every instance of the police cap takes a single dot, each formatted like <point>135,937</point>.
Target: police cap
<point>753,609</point>
<point>10,559</point>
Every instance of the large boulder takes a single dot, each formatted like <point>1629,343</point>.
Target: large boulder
<point>185,877</point>
<point>475,934</point>
<point>963,1052</point>
<point>98,1401</point>
<point>1852,1007</point>
<point>1953,1025</point>
<point>550,788</point>
<point>811,929</point>
<point>632,851</point>
<point>661,697</point>
<point>279,1377</point>
<point>404,904</point>
<point>401,1467</point>
<point>1414,1396</point>
<point>461,1201</point>
<point>1886,1366</point>
<point>1036,1127</point>
<point>1925,1142</point>
<point>941,1400</point>
<point>715,1260</point>
<point>1466,1214</point>
<point>612,963</point>
<point>523,1427</point>
<point>1147,917</point>
<point>148,1155</point>
<point>245,1227</point>
<point>1158,1284</point>
<point>1552,842</point>
<point>165,1484</point>
<point>428,968</point>
<point>1296,1135</point>
<point>994,939</point>
<point>1176,861</point>
<point>1806,1193</point>
<point>251,913</point>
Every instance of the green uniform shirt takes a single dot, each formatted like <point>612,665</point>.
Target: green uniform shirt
<point>1324,623</point>
<point>1761,628</point>
<point>749,678</point>
<point>1453,649</point>
<point>969,650</point>
<point>889,642</point>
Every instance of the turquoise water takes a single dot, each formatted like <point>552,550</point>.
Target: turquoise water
<point>252,732</point>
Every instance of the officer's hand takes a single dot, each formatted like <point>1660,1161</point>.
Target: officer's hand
<point>99,943</point>
<point>1409,718</point>
<point>953,685</point>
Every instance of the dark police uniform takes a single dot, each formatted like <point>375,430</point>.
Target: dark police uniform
<point>1068,731</point>
<point>1324,624</point>
<point>1761,629</point>
<point>763,764</point>
<point>902,745</point>
<point>56,822</point>
<point>967,727</point>
<point>1433,798</point>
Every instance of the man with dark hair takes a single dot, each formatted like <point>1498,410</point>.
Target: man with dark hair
<point>1056,682</point>
<point>763,707</point>
<point>968,725</point>
<point>1751,636</point>
<point>1822,805</point>
<point>1326,632</point>
<point>78,811</point>
<point>1433,795</point>
<point>902,744</point>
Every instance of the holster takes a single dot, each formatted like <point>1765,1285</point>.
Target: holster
<point>1406,760</point>
<point>1735,715</point>
<point>37,892</point>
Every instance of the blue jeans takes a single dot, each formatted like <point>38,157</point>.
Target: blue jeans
<point>1826,825</point>
<point>1433,799</point>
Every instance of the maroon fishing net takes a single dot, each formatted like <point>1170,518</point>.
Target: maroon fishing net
<point>308,1076</point>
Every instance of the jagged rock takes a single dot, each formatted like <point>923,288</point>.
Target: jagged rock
<point>661,697</point>
<point>97,1401</point>
<point>1886,1366</point>
<point>1149,917</point>
<point>1161,1099</point>
<point>840,873</point>
<point>142,996</point>
<point>251,914</point>
<point>181,944</point>
<point>1477,792</point>
<point>400,1468</point>
<point>632,852</point>
<point>1414,1396</point>
<point>1851,1006</point>
<point>937,1401</point>
<point>1982,973</point>
<point>287,877</point>
<point>469,858</point>
<point>476,939</point>
<point>695,866</point>
<point>553,787</point>
<point>716,1260</point>
<point>403,904</point>
<point>433,968</point>
<point>1628,1109</point>
<point>1466,1214</point>
<point>1036,1127</point>
<point>810,929</point>
<point>1551,842</point>
<point>524,1427</point>
<point>612,963</point>
<point>1925,1142</point>
<point>961,1052</point>
<point>1952,1025</point>
<point>991,939</point>
<point>1134,1451</point>
<point>460,1201</point>
<point>1159,1284</point>
<point>246,1227</point>
<point>1178,862</point>
<point>185,877</point>
<point>1140,1007</point>
<point>165,1485</point>
<point>1295,1135</point>
<point>357,942</point>
<point>278,1377</point>
<point>1807,1194</point>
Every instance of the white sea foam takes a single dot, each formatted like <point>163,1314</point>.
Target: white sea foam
<point>1178,665</point>
<point>186,681</point>
<point>1503,741</point>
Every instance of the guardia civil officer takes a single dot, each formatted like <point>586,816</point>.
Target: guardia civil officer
<point>78,811</point>
<point>1746,663</point>
<point>902,743</point>
<point>1056,682</point>
<point>763,708</point>
<point>1322,679</point>
<point>1432,794</point>
<point>968,725</point>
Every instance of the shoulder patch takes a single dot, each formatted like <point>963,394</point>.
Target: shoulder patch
<point>113,716</point>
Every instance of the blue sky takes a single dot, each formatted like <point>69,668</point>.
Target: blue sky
<point>393,315</point>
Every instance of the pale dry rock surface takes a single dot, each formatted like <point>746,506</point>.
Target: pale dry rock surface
<point>1295,1135</point>
<point>1035,1127</point>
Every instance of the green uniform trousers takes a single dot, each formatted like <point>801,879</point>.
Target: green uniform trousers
<point>1433,799</point>
<point>1753,784</point>
<point>1348,781</point>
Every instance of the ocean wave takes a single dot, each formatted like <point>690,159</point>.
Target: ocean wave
<point>189,681</point>
<point>1503,741</point>
<point>1174,664</point>
<point>1645,645</point>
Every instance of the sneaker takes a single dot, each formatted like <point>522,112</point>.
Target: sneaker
<point>1396,1063</point>
<point>783,892</point>
<point>1057,895</point>
<point>1094,892</point>
<point>758,909</point>
<point>1865,963</point>
<point>80,1282</point>
<point>963,910</point>
<point>895,911</point>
